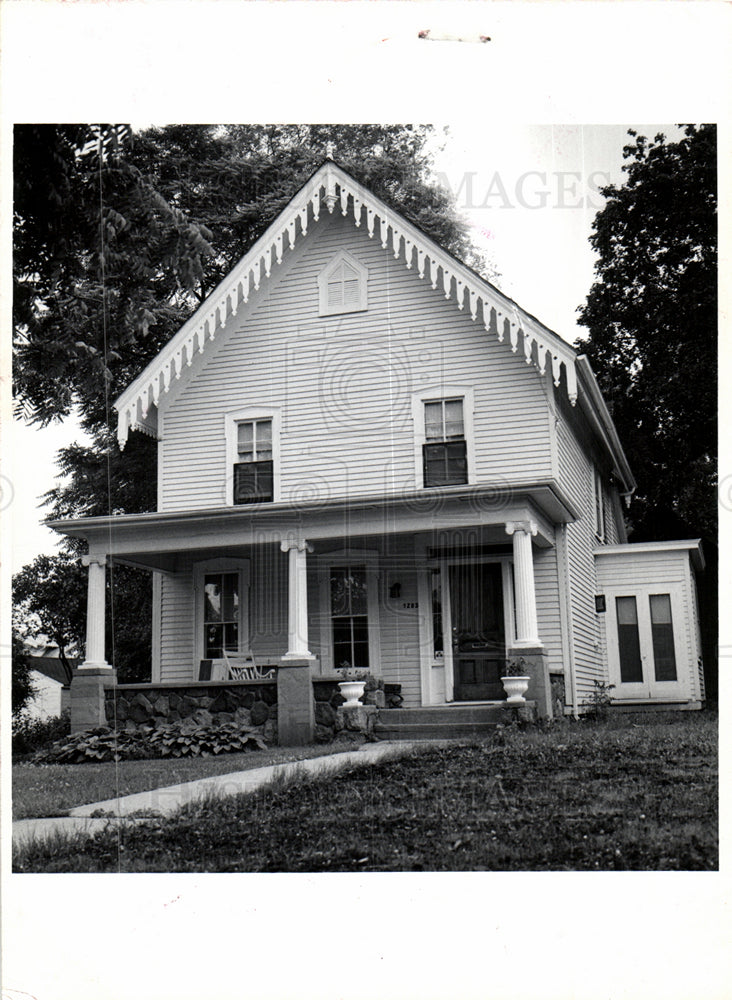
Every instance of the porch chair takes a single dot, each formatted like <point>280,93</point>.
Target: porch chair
<point>242,666</point>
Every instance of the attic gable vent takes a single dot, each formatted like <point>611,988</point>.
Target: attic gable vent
<point>342,286</point>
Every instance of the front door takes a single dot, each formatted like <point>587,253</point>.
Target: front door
<point>478,634</point>
<point>646,650</point>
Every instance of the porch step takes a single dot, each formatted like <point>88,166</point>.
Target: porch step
<point>444,731</point>
<point>439,722</point>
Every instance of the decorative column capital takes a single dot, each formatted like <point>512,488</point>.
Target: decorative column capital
<point>88,560</point>
<point>528,527</point>
<point>292,542</point>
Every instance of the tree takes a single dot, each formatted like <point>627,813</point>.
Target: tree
<point>49,598</point>
<point>22,690</point>
<point>652,320</point>
<point>119,237</point>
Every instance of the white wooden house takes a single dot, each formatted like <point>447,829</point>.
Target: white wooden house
<point>368,455</point>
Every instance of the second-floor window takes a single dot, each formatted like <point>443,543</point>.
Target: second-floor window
<point>444,452</point>
<point>253,469</point>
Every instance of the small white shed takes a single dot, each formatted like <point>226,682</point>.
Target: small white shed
<point>647,607</point>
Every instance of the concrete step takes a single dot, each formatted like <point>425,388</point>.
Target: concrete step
<point>439,715</point>
<point>432,731</point>
<point>444,722</point>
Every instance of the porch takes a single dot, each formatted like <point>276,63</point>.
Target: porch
<point>431,592</point>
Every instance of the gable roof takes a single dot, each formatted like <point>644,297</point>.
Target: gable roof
<point>332,186</point>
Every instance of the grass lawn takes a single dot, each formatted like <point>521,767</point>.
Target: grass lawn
<point>573,797</point>
<point>53,789</point>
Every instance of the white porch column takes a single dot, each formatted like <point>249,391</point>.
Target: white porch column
<point>94,658</point>
<point>297,598</point>
<point>527,629</point>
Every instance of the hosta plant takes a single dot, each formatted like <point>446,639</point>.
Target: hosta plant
<point>172,740</point>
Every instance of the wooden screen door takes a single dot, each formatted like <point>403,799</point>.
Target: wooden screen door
<point>478,635</point>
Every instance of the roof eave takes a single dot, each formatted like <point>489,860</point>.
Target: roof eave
<point>500,315</point>
<point>604,423</point>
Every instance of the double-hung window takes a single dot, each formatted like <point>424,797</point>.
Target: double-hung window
<point>349,616</point>
<point>253,469</point>
<point>221,613</point>
<point>252,455</point>
<point>444,452</point>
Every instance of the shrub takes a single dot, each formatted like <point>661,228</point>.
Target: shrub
<point>600,700</point>
<point>173,740</point>
<point>31,735</point>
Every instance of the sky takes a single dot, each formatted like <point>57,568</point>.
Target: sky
<point>530,194</point>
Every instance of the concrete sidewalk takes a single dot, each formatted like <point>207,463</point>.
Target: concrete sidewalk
<point>164,801</point>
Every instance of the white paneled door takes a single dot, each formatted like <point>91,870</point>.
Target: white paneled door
<point>647,651</point>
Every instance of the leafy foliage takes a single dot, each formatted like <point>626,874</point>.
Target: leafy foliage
<point>122,241</point>
<point>516,666</point>
<point>32,735</point>
<point>22,690</point>
<point>172,740</point>
<point>652,321</point>
<point>600,699</point>
<point>49,598</point>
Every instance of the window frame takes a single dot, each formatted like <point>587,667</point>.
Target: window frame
<point>435,394</point>
<point>200,570</point>
<point>326,561</point>
<point>231,425</point>
<point>324,308</point>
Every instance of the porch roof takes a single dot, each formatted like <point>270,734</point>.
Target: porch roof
<point>153,539</point>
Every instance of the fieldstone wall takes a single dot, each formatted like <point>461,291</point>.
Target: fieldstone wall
<point>333,722</point>
<point>249,703</point>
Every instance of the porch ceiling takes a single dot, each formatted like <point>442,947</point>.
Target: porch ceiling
<point>153,540</point>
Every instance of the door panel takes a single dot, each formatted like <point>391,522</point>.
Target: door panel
<point>478,635</point>
<point>646,652</point>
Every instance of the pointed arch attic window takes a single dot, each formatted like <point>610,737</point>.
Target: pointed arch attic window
<point>342,286</point>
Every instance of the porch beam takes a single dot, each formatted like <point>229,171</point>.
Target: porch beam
<point>527,628</point>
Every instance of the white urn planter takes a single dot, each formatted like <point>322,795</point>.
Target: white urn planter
<point>352,691</point>
<point>515,688</point>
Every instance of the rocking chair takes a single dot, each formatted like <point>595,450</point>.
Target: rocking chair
<point>242,666</point>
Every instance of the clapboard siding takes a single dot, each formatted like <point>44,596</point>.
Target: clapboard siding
<point>546,584</point>
<point>177,615</point>
<point>344,384</point>
<point>399,626</point>
<point>612,534</point>
<point>576,472</point>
